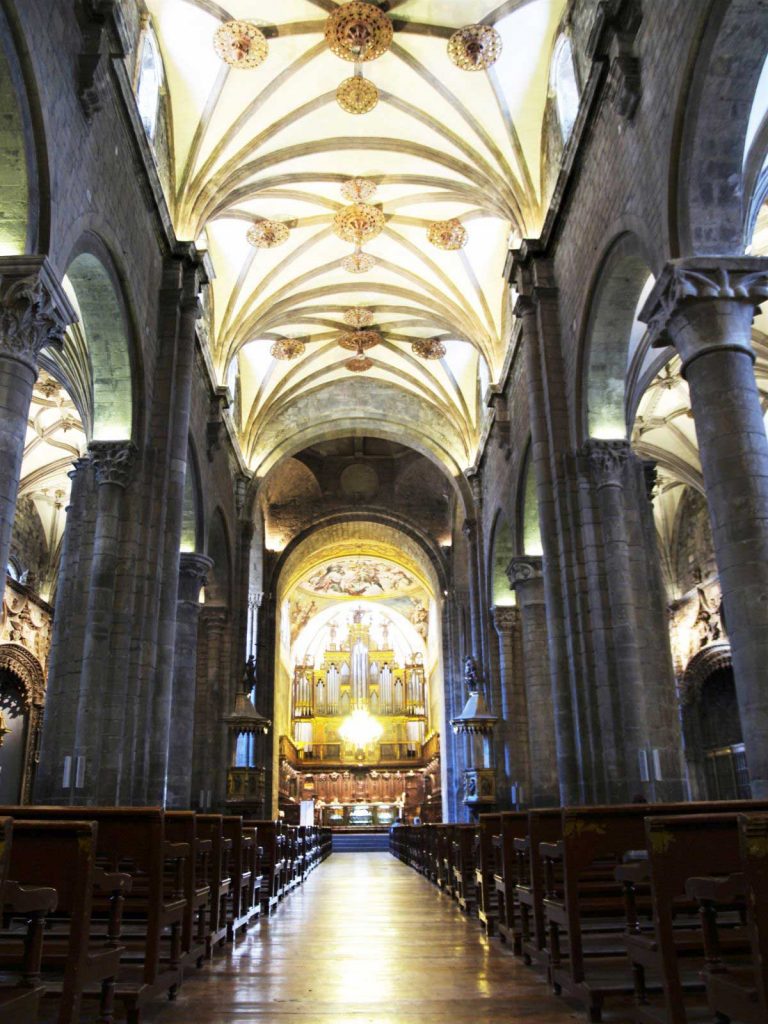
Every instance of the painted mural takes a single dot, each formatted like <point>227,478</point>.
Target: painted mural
<point>358,577</point>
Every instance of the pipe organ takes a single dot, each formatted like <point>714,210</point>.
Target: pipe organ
<point>360,673</point>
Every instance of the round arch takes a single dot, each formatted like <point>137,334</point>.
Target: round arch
<point>26,219</point>
<point>100,348</point>
<point>389,430</point>
<point>390,522</point>
<point>27,672</point>
<point>712,207</point>
<point>501,552</point>
<point>612,338</point>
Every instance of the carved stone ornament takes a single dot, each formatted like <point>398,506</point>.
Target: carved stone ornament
<point>523,569</point>
<point>34,311</point>
<point>193,574</point>
<point>605,460</point>
<point>505,619</point>
<point>742,279</point>
<point>112,461</point>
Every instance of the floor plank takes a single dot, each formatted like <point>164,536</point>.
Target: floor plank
<point>352,947</point>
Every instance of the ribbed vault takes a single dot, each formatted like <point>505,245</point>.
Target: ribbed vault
<point>272,143</point>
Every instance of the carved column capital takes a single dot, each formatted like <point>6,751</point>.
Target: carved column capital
<point>704,304</point>
<point>193,574</point>
<point>34,310</point>
<point>523,569</point>
<point>112,461</point>
<point>215,620</point>
<point>505,619</point>
<point>606,459</point>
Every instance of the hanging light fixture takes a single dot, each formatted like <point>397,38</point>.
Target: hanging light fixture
<point>241,44</point>
<point>357,95</point>
<point>358,31</point>
<point>359,190</point>
<point>267,234</point>
<point>287,348</point>
<point>359,341</point>
<point>358,316</point>
<point>447,234</point>
<point>358,223</point>
<point>360,728</point>
<point>429,348</point>
<point>475,47</point>
<point>358,262</point>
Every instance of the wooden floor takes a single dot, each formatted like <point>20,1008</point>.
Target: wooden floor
<point>350,946</point>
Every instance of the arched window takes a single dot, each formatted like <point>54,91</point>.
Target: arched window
<point>564,86</point>
<point>148,85</point>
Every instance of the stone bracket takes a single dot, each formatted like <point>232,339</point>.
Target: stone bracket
<point>613,41</point>
<point>96,18</point>
<point>215,428</point>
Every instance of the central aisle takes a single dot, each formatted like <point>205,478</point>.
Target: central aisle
<point>366,940</point>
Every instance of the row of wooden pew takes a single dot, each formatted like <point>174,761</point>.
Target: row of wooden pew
<point>661,908</point>
<point>114,906</point>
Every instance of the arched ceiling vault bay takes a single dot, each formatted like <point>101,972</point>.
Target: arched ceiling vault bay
<point>273,143</point>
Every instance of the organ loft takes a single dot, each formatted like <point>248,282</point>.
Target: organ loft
<point>383,511</point>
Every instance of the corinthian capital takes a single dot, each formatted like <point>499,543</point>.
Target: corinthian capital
<point>605,460</point>
<point>112,461</point>
<point>34,311</point>
<point>523,568</point>
<point>741,281</point>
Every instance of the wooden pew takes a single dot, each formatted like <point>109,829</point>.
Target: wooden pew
<point>513,825</point>
<point>463,867</point>
<point>268,832</point>
<point>77,954</point>
<point>738,991</point>
<point>133,840</point>
<point>587,916</point>
<point>680,848</point>
<point>753,850</point>
<point>19,1003</point>
<point>544,826</point>
<point>210,827</point>
<point>489,826</point>
<point>445,834</point>
<point>243,906</point>
<point>181,827</point>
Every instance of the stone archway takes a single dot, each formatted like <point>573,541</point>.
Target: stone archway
<point>27,673</point>
<point>714,746</point>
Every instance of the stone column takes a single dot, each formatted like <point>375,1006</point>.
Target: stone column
<point>469,529</point>
<point>184,300</point>
<point>57,738</point>
<point>209,709</point>
<point>705,307</point>
<point>606,463</point>
<point>527,580</point>
<point>537,308</point>
<point>34,313</point>
<point>513,727</point>
<point>193,569</point>
<point>97,725</point>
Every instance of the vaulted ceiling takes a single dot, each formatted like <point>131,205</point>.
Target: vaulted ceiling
<point>272,143</point>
